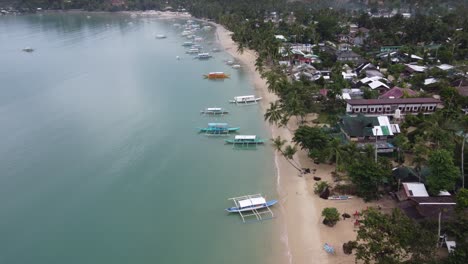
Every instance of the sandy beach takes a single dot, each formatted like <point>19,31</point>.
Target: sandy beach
<point>300,209</point>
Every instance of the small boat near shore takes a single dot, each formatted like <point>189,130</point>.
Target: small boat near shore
<point>187,44</point>
<point>218,129</point>
<point>339,197</point>
<point>203,56</point>
<point>245,99</point>
<point>28,49</point>
<point>256,204</point>
<point>214,111</point>
<point>160,36</point>
<point>193,51</point>
<point>245,140</point>
<point>216,75</point>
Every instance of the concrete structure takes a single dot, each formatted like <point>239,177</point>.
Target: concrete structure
<point>389,107</point>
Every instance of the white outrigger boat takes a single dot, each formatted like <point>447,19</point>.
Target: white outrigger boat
<point>245,99</point>
<point>193,51</point>
<point>160,36</point>
<point>214,111</point>
<point>203,56</point>
<point>187,44</point>
<point>254,203</point>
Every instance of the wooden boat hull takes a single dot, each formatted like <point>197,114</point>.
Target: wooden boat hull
<point>250,208</point>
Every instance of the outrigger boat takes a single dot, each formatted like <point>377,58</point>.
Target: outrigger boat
<point>245,99</point>
<point>203,56</point>
<point>193,51</point>
<point>216,75</point>
<point>245,140</point>
<point>255,203</point>
<point>28,49</point>
<point>161,36</point>
<point>339,197</point>
<point>187,44</point>
<point>214,111</point>
<point>218,129</point>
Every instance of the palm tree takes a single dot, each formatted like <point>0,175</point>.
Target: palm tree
<point>259,65</point>
<point>420,151</point>
<point>274,114</point>
<point>336,151</point>
<point>288,153</point>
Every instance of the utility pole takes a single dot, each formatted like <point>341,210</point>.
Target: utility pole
<point>376,131</point>
<point>462,160</point>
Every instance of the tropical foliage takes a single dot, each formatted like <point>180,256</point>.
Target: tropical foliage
<point>393,238</point>
<point>444,173</point>
<point>331,216</point>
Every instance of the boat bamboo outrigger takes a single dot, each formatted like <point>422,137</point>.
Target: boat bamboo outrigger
<point>245,99</point>
<point>216,75</point>
<point>245,140</point>
<point>256,204</point>
<point>214,111</point>
<point>218,129</point>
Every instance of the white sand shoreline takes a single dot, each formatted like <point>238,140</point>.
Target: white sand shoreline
<point>301,238</point>
<point>302,233</point>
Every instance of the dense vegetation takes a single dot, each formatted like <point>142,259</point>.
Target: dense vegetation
<point>435,141</point>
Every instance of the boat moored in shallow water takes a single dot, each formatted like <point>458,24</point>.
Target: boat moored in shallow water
<point>218,129</point>
<point>245,140</point>
<point>216,75</point>
<point>187,44</point>
<point>256,204</point>
<point>245,99</point>
<point>214,111</point>
<point>203,56</point>
<point>161,36</point>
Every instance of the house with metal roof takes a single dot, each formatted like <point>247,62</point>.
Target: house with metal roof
<point>369,130</point>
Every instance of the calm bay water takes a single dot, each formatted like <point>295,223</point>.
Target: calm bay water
<point>100,158</point>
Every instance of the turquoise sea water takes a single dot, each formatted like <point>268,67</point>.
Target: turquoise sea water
<point>100,158</point>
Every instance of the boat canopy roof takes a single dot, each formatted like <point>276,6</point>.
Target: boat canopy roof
<point>215,72</point>
<point>217,124</point>
<point>245,137</point>
<point>214,109</point>
<point>244,96</point>
<point>252,202</point>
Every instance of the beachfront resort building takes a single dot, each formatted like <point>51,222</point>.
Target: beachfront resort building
<point>392,107</point>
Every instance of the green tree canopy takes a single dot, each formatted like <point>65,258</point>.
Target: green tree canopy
<point>444,173</point>
<point>393,239</point>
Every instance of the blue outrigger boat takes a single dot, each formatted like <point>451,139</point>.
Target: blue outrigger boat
<point>218,129</point>
<point>255,203</point>
<point>245,140</point>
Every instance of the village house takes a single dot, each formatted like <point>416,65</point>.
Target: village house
<point>369,130</point>
<point>348,56</point>
<point>397,92</point>
<point>415,202</point>
<point>392,107</point>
